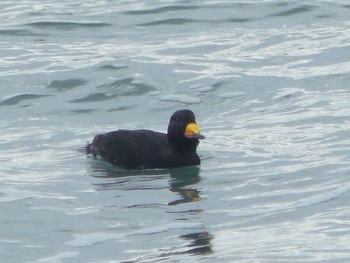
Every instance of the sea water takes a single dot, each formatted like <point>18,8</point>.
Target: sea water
<point>269,84</point>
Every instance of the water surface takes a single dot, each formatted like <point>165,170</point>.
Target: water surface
<point>268,81</point>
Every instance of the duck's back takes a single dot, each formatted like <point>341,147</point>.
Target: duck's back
<point>132,149</point>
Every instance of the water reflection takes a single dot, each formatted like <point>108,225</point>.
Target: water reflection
<point>182,181</point>
<point>201,243</point>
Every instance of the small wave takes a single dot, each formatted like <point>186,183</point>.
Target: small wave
<point>163,9</point>
<point>238,20</point>
<point>164,228</point>
<point>93,97</point>
<point>114,67</point>
<point>229,95</point>
<point>181,98</point>
<point>171,21</point>
<point>126,86</point>
<point>59,257</point>
<point>117,88</point>
<point>83,111</point>
<point>61,25</point>
<point>10,241</point>
<point>16,99</point>
<point>67,84</point>
<point>14,32</point>
<point>306,202</point>
<point>14,194</point>
<point>85,240</point>
<point>90,239</point>
<point>295,10</point>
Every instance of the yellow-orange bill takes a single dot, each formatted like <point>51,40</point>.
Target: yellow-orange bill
<point>192,131</point>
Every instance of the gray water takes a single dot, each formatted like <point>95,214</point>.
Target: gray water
<point>269,84</point>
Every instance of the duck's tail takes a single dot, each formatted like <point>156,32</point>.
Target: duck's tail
<point>88,149</point>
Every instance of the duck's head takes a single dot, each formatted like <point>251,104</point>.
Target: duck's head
<point>183,127</point>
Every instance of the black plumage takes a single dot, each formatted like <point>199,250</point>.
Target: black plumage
<point>142,149</point>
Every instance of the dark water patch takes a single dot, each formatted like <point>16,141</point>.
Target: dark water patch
<point>113,67</point>
<point>346,6</point>
<point>171,21</point>
<point>221,83</point>
<point>122,108</point>
<point>19,98</point>
<point>126,86</point>
<point>120,87</point>
<point>295,11</point>
<point>92,98</point>
<point>83,111</point>
<point>19,32</point>
<point>67,84</point>
<point>163,9</point>
<point>238,20</point>
<point>323,16</point>
<point>60,25</point>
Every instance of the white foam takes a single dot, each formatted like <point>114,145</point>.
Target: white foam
<point>228,95</point>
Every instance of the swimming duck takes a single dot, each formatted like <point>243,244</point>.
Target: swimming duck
<point>145,149</point>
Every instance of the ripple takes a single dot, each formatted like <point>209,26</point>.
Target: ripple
<point>186,99</point>
<point>93,98</point>
<point>90,239</point>
<point>113,67</point>
<point>171,21</point>
<point>229,95</point>
<point>271,95</point>
<point>67,84</point>
<point>295,11</point>
<point>18,32</point>
<point>238,20</point>
<point>117,88</point>
<point>85,240</point>
<point>16,99</point>
<point>164,9</point>
<point>59,257</point>
<point>9,194</point>
<point>62,25</point>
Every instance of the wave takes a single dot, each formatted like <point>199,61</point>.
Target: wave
<point>117,88</point>
<point>305,202</point>
<point>63,25</point>
<point>16,99</point>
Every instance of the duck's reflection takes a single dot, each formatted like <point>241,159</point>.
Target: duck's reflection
<point>180,180</point>
<point>183,181</point>
<point>200,243</point>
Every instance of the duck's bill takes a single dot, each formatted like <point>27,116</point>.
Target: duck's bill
<point>195,136</point>
<point>192,132</point>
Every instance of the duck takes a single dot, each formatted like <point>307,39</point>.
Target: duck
<point>147,149</point>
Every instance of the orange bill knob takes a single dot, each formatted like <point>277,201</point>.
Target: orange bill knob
<point>192,131</point>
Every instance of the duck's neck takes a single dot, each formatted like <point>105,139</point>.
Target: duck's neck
<point>184,145</point>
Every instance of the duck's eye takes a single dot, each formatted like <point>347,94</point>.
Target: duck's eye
<point>177,120</point>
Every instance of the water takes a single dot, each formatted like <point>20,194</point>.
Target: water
<point>268,81</point>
